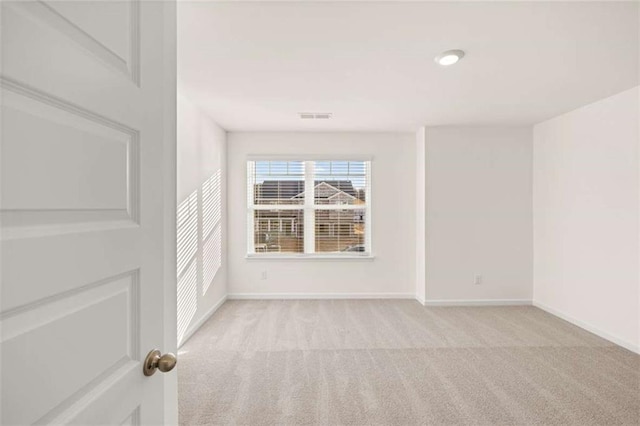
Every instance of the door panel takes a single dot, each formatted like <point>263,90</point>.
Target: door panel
<point>87,173</point>
<point>82,210</point>
<point>102,47</point>
<point>108,346</point>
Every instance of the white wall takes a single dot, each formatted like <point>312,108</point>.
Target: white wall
<point>421,216</point>
<point>478,214</point>
<point>392,271</point>
<point>201,217</point>
<point>586,212</point>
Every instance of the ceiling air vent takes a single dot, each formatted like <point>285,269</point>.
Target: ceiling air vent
<point>315,115</point>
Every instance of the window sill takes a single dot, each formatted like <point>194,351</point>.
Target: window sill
<point>312,257</point>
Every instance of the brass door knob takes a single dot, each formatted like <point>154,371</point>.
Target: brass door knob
<point>156,361</point>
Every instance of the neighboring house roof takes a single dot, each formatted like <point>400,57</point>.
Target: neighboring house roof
<point>343,195</point>
<point>286,189</point>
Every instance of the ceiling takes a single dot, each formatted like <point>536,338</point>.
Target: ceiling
<point>255,66</point>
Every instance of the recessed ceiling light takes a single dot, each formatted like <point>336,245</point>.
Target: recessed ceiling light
<point>449,57</point>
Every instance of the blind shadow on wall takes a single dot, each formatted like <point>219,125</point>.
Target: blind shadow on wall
<point>199,246</point>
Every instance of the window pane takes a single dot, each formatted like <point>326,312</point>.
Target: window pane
<point>340,231</point>
<point>276,182</point>
<point>340,182</point>
<point>339,206</point>
<point>278,231</point>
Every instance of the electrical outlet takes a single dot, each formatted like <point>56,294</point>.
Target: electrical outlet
<point>478,280</point>
<point>263,275</point>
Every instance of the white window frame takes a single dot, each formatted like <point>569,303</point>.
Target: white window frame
<point>309,208</point>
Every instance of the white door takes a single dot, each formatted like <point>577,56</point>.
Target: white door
<point>82,208</point>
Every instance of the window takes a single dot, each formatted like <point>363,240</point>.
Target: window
<point>308,208</point>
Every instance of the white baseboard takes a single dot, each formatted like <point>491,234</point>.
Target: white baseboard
<point>419,299</point>
<point>272,296</point>
<point>590,328</point>
<point>196,325</point>
<point>480,302</point>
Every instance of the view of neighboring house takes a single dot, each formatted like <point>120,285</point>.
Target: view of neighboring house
<point>283,230</point>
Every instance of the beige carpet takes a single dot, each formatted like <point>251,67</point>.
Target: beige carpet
<point>394,362</point>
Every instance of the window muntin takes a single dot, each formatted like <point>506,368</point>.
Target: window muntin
<point>309,207</point>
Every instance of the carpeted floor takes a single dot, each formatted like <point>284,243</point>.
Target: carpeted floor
<point>395,362</point>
